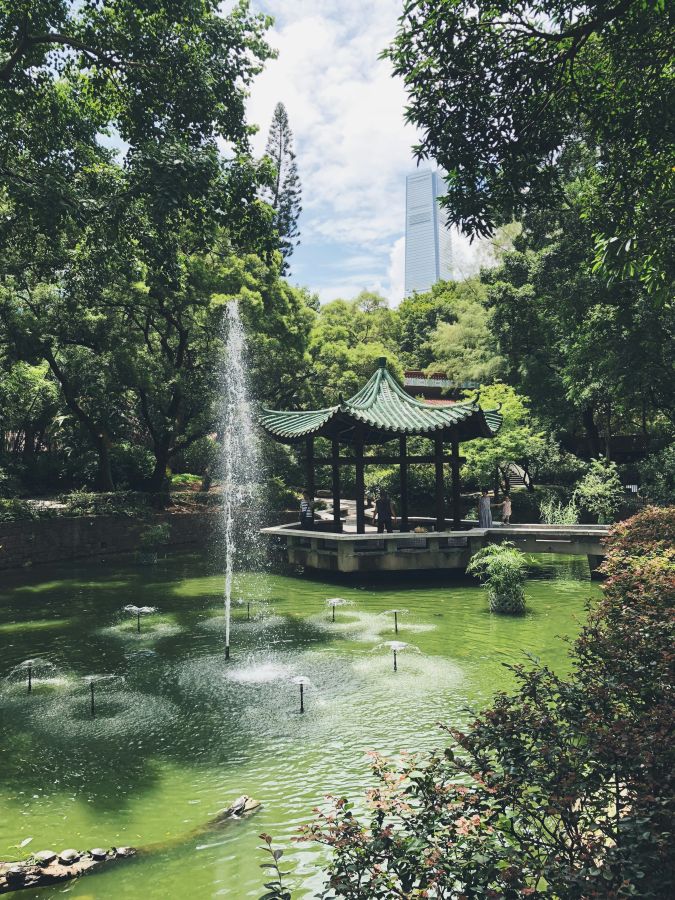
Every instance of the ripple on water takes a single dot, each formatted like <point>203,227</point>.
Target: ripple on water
<point>120,713</point>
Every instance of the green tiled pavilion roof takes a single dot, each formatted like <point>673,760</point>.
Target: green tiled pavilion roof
<point>382,409</point>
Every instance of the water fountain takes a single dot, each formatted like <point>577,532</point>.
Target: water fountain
<point>398,647</point>
<point>33,672</point>
<point>93,680</point>
<point>139,611</point>
<point>304,682</point>
<point>240,464</point>
<point>336,601</point>
<point>396,613</point>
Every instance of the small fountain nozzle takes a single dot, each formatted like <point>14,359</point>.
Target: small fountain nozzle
<point>302,681</point>
<point>227,651</point>
<point>93,704</point>
<point>30,677</point>
<point>395,666</point>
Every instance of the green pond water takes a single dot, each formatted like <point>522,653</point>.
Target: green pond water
<point>186,732</point>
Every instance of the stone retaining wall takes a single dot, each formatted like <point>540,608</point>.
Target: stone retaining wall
<point>59,539</point>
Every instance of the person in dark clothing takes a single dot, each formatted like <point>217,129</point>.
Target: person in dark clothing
<point>307,510</point>
<point>385,513</point>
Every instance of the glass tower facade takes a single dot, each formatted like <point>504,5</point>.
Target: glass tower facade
<point>428,248</point>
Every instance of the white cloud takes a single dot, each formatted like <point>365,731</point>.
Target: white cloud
<point>352,144</point>
<point>396,273</point>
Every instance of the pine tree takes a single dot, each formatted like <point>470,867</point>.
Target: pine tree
<point>284,194</point>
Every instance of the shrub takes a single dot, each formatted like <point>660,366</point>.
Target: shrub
<point>554,512</point>
<point>657,476</point>
<point>600,491</point>
<point>16,511</point>
<point>561,789</point>
<point>155,536</point>
<point>503,569</point>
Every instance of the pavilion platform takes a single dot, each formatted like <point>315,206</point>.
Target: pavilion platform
<point>349,551</point>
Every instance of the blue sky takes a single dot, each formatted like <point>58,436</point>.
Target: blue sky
<point>352,146</point>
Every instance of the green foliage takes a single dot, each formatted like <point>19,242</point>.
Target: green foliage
<point>499,92</point>
<point>600,491</point>
<point>515,442</point>
<point>657,476</point>
<point>466,348</point>
<point>185,479</point>
<point>154,537</point>
<point>275,888</point>
<point>562,788</point>
<point>594,358</point>
<point>278,496</point>
<point>503,570</point>
<point>283,193</point>
<point>555,512</point>
<point>16,510</point>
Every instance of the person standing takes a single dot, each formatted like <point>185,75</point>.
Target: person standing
<point>484,510</point>
<point>506,510</point>
<point>307,510</point>
<point>385,513</point>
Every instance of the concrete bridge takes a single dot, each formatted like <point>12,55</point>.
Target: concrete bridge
<point>399,552</point>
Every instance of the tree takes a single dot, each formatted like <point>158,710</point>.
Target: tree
<point>488,459</point>
<point>595,358</point>
<point>467,349</point>
<point>420,315</point>
<point>97,253</point>
<point>347,339</point>
<point>284,192</point>
<point>560,789</point>
<point>498,92</point>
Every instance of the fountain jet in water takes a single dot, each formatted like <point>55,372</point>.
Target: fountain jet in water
<point>336,601</point>
<point>139,611</point>
<point>240,465</point>
<point>302,681</point>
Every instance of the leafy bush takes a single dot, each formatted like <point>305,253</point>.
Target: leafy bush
<point>126,503</point>
<point>155,536</point>
<point>503,569</point>
<point>185,479</point>
<point>16,511</point>
<point>600,491</point>
<point>562,789</point>
<point>554,512</point>
<point>132,466</point>
<point>278,497</point>
<point>657,476</point>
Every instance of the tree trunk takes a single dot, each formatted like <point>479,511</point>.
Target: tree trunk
<point>104,479</point>
<point>156,482</point>
<point>99,436</point>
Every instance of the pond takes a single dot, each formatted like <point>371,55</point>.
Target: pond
<point>185,732</point>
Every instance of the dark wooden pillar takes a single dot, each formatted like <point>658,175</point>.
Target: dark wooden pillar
<point>438,465</point>
<point>309,465</point>
<point>360,490</point>
<point>335,457</point>
<point>456,488</point>
<point>403,453</point>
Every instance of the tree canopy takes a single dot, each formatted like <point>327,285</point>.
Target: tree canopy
<point>498,91</point>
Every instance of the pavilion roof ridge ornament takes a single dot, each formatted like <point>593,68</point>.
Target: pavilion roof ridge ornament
<point>379,411</point>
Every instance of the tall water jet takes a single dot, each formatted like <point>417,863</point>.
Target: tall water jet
<point>240,467</point>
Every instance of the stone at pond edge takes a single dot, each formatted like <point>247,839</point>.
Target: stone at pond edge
<point>44,857</point>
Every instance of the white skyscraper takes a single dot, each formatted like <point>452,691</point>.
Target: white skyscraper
<point>428,250</point>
